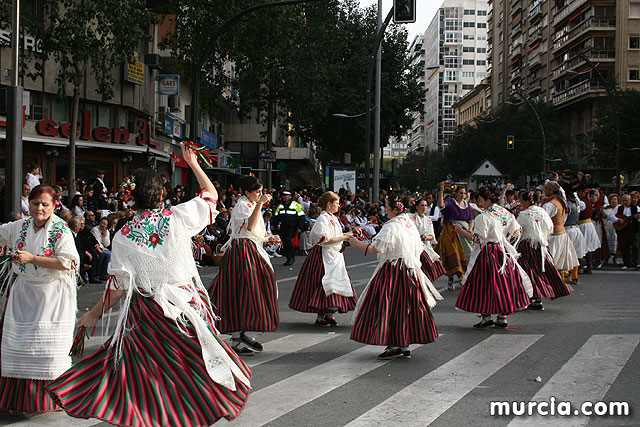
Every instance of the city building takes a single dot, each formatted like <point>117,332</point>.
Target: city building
<point>397,148</point>
<point>456,62</point>
<point>416,137</point>
<point>472,105</point>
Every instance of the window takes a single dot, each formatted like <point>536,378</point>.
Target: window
<point>634,42</point>
<point>482,50</point>
<point>453,37</point>
<point>634,75</point>
<point>482,13</point>
<point>634,10</point>
<point>451,75</point>
<point>481,62</point>
<point>468,87</point>
<point>469,12</point>
<point>467,74</point>
<point>468,36</point>
<point>467,62</point>
<point>470,25</point>
<point>482,25</point>
<point>482,76</point>
<point>481,38</point>
<point>468,49</point>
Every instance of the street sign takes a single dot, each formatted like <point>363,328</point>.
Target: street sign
<point>268,156</point>
<point>209,139</point>
<point>169,84</point>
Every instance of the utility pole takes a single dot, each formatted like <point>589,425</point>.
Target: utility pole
<point>14,168</point>
<point>376,129</point>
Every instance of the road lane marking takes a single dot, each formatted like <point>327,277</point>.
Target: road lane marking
<point>421,402</point>
<point>586,377</point>
<point>286,345</point>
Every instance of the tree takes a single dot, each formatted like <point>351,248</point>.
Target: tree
<point>88,36</point>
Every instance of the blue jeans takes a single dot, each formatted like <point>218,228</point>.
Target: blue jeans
<point>105,258</point>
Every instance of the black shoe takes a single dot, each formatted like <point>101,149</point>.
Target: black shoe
<point>502,325</point>
<point>332,320</point>
<point>290,262</point>
<point>406,354</point>
<point>483,324</point>
<point>244,351</point>
<point>535,306</point>
<point>391,353</point>
<point>253,345</point>
<point>322,322</point>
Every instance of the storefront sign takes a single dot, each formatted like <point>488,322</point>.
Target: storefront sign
<point>268,156</point>
<point>209,139</point>
<point>169,84</point>
<point>27,42</point>
<point>135,73</point>
<point>173,127</point>
<point>100,133</point>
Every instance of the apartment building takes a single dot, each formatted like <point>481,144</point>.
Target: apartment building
<point>416,138</point>
<point>456,61</point>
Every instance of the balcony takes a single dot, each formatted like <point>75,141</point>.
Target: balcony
<point>582,88</point>
<point>596,55</point>
<point>535,10</point>
<point>589,24</point>
<point>559,15</point>
<point>534,60</point>
<point>515,50</point>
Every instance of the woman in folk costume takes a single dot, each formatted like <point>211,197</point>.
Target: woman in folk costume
<point>36,327</point>
<point>429,259</point>
<point>494,283</point>
<point>560,246</point>
<point>598,200</point>
<point>395,308</point>
<point>572,227</point>
<point>165,365</point>
<point>535,258</point>
<point>591,238</point>
<point>455,248</point>
<point>245,291</point>
<point>323,285</point>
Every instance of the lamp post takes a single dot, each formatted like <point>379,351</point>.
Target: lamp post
<point>518,90</point>
<point>614,103</point>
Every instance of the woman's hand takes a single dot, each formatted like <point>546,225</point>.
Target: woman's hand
<point>189,156</point>
<point>441,185</point>
<point>353,241</point>
<point>23,257</point>
<point>88,320</point>
<point>458,228</point>
<point>265,198</point>
<point>274,240</point>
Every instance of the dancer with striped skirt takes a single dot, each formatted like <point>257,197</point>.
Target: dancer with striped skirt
<point>395,308</point>
<point>429,259</point>
<point>36,328</point>
<point>535,258</point>
<point>494,283</point>
<point>245,291</point>
<point>165,365</point>
<point>323,285</point>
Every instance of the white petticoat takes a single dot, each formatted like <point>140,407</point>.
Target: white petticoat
<point>563,252</point>
<point>577,239</point>
<point>592,241</point>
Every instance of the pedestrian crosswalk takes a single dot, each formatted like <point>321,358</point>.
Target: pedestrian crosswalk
<point>432,390</point>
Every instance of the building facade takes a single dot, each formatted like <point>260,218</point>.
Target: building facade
<point>456,61</point>
<point>472,105</point>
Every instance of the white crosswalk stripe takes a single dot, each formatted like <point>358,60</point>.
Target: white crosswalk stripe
<point>426,399</point>
<point>271,402</point>
<point>586,377</point>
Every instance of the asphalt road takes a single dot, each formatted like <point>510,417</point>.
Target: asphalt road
<point>581,348</point>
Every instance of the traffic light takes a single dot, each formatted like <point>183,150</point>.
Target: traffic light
<point>510,142</point>
<point>417,169</point>
<point>404,11</point>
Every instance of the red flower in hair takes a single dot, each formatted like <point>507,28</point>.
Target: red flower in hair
<point>126,230</point>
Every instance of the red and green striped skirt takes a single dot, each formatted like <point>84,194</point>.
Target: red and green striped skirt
<point>432,269</point>
<point>488,291</point>
<point>394,311</point>
<point>245,293</point>
<point>160,380</point>
<point>308,293</point>
<point>547,283</point>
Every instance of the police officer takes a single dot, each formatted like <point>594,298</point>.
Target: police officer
<point>290,218</point>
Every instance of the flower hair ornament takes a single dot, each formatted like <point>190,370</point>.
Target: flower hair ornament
<point>400,206</point>
<point>127,186</point>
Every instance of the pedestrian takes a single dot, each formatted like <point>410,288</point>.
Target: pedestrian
<point>572,227</point>
<point>454,247</point>
<point>394,310</point>
<point>429,259</point>
<point>627,228</point>
<point>494,282</point>
<point>560,246</point>
<point>290,218</point>
<point>323,285</point>
<point>24,200</point>
<point>588,230</point>
<point>245,290</point>
<point>40,312</point>
<point>165,365</point>
<point>535,258</point>
<point>33,176</point>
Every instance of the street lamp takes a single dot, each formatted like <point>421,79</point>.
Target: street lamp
<point>614,103</point>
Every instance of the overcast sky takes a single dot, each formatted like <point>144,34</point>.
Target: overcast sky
<point>426,9</point>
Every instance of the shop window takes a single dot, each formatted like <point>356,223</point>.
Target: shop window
<point>60,110</point>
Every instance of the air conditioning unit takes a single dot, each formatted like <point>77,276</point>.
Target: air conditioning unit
<point>39,112</point>
<point>152,60</point>
<point>174,102</point>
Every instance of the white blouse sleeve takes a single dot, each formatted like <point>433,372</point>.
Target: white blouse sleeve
<point>551,209</point>
<point>119,274</point>
<point>5,234</point>
<point>386,240</point>
<point>482,228</point>
<point>66,251</point>
<point>240,215</point>
<point>196,213</point>
<point>321,231</point>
